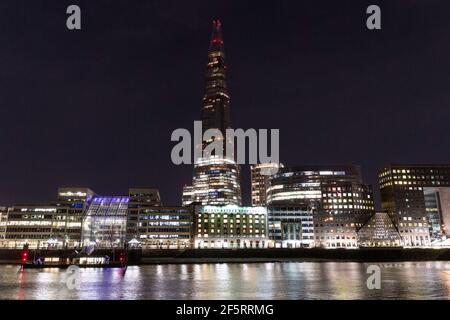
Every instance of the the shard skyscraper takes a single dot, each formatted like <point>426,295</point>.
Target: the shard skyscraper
<point>216,178</point>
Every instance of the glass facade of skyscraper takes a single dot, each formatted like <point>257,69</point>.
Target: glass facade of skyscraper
<point>216,179</point>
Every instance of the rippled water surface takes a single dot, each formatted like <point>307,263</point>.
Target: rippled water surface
<point>291,280</point>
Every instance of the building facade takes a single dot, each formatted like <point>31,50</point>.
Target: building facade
<point>3,222</point>
<point>187,197</point>
<point>216,179</point>
<point>290,227</point>
<point>53,225</point>
<point>260,176</point>
<point>161,227</point>
<point>336,196</point>
<point>73,201</point>
<point>230,227</point>
<point>345,208</point>
<point>379,231</point>
<point>105,222</point>
<point>140,199</point>
<point>215,182</point>
<point>415,196</point>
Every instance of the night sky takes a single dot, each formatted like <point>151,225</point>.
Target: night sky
<point>97,107</point>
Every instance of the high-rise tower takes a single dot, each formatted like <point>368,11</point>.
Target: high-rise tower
<point>216,100</point>
<point>216,178</point>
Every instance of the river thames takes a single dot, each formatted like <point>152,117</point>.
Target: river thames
<point>288,280</point>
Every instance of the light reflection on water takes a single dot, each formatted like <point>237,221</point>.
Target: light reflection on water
<point>290,280</point>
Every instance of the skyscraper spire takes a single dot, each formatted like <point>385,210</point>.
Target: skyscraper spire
<point>216,100</point>
<point>216,37</point>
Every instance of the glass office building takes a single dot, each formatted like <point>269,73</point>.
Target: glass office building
<point>339,201</point>
<point>105,222</point>
<point>260,177</point>
<point>55,224</point>
<point>417,198</point>
<point>290,227</point>
<point>379,231</point>
<point>215,182</point>
<point>162,227</point>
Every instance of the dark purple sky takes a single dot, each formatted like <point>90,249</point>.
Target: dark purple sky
<point>97,107</point>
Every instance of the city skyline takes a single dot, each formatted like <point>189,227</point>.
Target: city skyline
<point>105,126</point>
<point>218,157</point>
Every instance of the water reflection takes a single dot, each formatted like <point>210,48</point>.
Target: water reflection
<point>293,280</point>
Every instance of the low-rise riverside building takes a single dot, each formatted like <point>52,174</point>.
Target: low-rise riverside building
<point>340,202</point>
<point>33,225</point>
<point>162,227</point>
<point>230,226</point>
<point>345,207</point>
<point>290,227</point>
<point>52,225</point>
<point>417,198</point>
<point>104,224</point>
<point>140,199</point>
<point>379,231</point>
<point>3,221</point>
<point>137,220</point>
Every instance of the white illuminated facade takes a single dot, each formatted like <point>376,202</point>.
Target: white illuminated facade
<point>188,195</point>
<point>45,226</point>
<point>230,226</point>
<point>216,181</point>
<point>260,175</point>
<point>3,222</point>
<point>39,226</point>
<point>161,227</point>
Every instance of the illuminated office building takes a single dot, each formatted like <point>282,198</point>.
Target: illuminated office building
<point>104,225</point>
<point>290,227</point>
<point>418,199</point>
<point>75,195</point>
<point>303,184</point>
<point>379,231</point>
<point>230,227</point>
<point>215,182</point>
<point>162,227</point>
<point>150,225</point>
<point>188,195</point>
<point>140,200</point>
<point>260,181</point>
<point>52,225</point>
<point>33,225</point>
<point>3,221</point>
<point>144,196</point>
<point>74,202</point>
<point>344,209</point>
<point>340,202</point>
<point>216,179</point>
